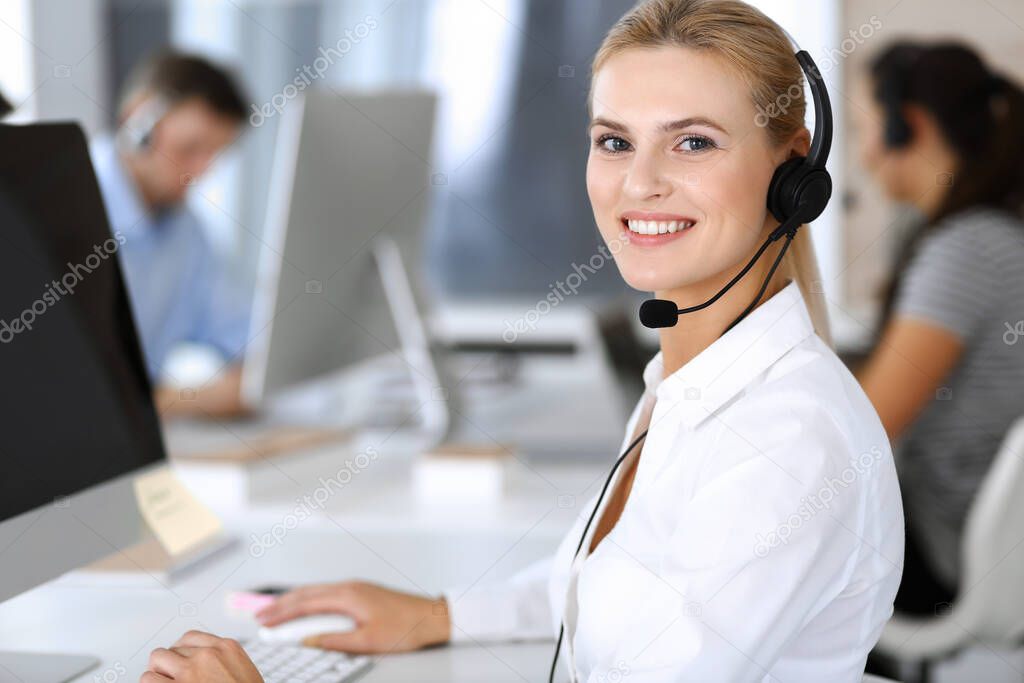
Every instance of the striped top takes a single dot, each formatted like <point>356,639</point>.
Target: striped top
<point>967,277</point>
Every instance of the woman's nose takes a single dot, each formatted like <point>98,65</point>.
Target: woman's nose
<point>646,177</point>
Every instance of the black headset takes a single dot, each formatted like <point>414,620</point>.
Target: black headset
<point>896,132</point>
<point>892,94</point>
<point>801,186</point>
<point>799,191</point>
<point>135,134</point>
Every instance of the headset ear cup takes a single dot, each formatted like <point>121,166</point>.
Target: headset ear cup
<point>783,187</point>
<point>897,131</point>
<point>796,185</point>
<point>813,193</point>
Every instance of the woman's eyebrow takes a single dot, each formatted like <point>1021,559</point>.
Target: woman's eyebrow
<point>666,127</point>
<point>614,125</point>
<point>670,126</point>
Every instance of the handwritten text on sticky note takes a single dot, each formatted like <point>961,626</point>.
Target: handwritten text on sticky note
<point>179,521</point>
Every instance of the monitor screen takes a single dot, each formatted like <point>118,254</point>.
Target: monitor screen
<point>76,407</point>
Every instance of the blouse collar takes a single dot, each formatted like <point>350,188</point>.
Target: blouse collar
<point>734,360</point>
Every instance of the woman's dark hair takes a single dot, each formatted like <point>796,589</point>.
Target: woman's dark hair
<point>979,112</point>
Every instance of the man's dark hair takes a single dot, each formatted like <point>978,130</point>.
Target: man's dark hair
<point>176,77</point>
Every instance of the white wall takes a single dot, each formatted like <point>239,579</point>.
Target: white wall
<point>16,64</point>
<point>815,28</point>
<point>52,62</point>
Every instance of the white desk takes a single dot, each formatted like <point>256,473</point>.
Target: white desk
<point>122,624</point>
<point>369,530</point>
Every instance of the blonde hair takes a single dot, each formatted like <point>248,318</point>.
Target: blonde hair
<point>761,53</point>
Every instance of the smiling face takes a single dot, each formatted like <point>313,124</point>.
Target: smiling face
<point>675,147</point>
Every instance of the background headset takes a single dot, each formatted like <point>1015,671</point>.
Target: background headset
<point>799,191</point>
<point>892,94</point>
<point>135,134</point>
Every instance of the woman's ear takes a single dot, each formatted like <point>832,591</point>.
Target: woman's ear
<point>800,144</point>
<point>923,127</point>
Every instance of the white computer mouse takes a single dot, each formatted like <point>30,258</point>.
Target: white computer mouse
<point>297,630</point>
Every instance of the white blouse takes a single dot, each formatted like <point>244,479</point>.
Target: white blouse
<point>762,538</point>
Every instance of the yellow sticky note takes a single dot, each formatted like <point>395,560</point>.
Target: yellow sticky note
<point>179,521</point>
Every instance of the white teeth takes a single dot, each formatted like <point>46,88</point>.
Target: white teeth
<point>657,227</point>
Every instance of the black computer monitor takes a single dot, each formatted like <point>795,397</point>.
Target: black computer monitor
<point>77,415</point>
<point>77,408</point>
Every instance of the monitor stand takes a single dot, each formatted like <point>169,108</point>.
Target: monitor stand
<point>43,667</point>
<point>431,378</point>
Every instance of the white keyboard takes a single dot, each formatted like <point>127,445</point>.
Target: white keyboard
<point>296,664</point>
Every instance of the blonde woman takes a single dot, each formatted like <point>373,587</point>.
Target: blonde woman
<point>756,531</point>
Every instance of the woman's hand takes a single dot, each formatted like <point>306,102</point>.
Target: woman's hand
<point>199,657</point>
<point>386,620</point>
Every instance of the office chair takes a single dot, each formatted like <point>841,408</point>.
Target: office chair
<point>989,608</point>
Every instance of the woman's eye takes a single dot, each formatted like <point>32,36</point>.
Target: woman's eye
<point>697,143</point>
<point>612,144</point>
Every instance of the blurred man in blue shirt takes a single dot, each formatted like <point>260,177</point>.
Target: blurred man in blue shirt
<point>177,113</point>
